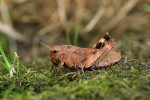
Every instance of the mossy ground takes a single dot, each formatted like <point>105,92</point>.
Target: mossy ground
<point>129,79</point>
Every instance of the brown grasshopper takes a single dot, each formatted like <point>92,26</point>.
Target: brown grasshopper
<point>99,56</point>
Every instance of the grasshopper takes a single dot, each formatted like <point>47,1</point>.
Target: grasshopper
<point>100,55</point>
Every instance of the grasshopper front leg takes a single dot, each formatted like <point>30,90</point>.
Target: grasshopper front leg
<point>60,66</point>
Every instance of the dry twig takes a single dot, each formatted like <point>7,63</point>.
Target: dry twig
<point>121,14</point>
<point>7,27</point>
<point>61,11</point>
<point>94,20</point>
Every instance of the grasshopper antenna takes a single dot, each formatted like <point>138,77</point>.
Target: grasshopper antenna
<point>43,44</point>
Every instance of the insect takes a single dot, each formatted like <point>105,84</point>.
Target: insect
<point>100,55</point>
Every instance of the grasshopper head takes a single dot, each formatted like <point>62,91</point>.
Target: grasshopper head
<point>58,53</point>
<point>55,54</point>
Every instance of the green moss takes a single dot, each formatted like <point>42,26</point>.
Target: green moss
<point>122,81</point>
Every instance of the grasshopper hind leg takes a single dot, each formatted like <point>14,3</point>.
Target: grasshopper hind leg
<point>102,41</point>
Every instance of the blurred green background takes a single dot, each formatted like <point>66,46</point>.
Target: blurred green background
<point>49,20</point>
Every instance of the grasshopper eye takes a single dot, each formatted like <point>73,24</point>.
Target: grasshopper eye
<point>55,51</point>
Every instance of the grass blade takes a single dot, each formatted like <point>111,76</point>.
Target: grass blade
<point>18,64</point>
<point>4,57</point>
<point>75,42</point>
<point>68,37</point>
<point>7,63</point>
<point>15,57</point>
<point>147,8</point>
<point>3,64</point>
